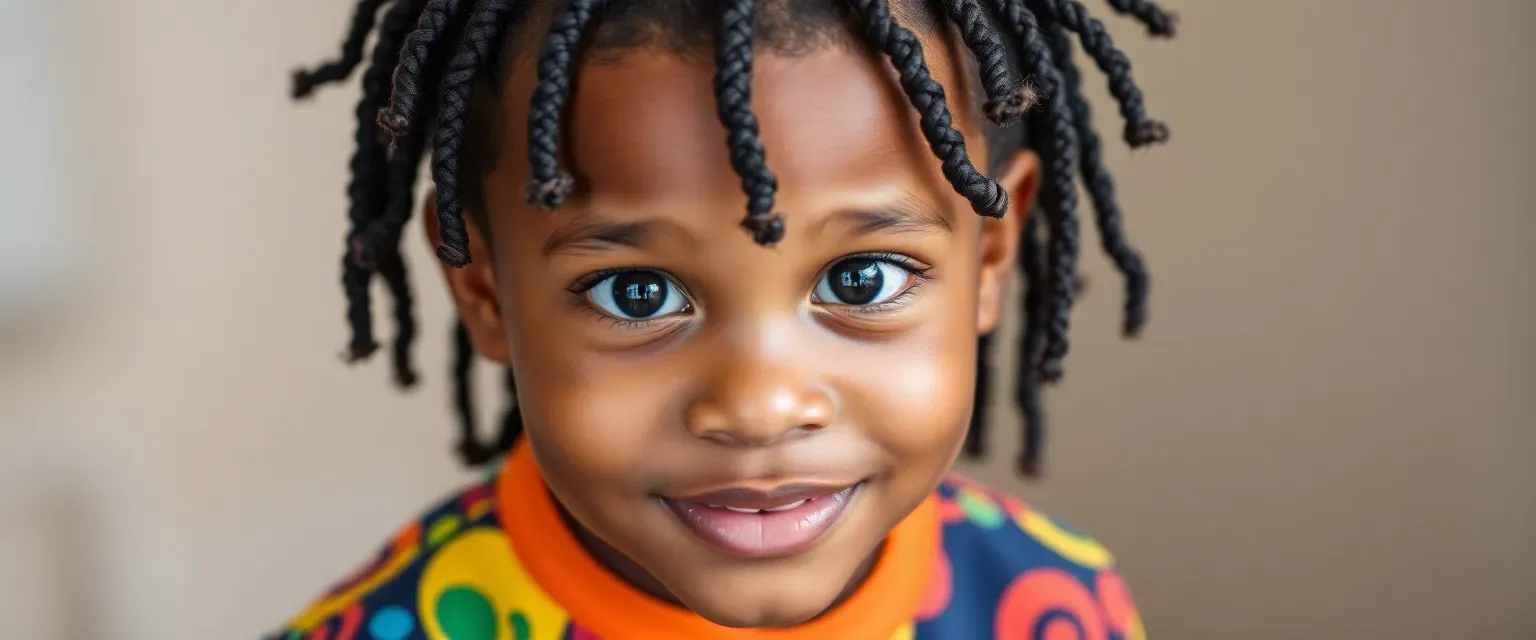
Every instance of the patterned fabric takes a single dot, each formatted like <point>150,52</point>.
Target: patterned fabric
<point>995,569</point>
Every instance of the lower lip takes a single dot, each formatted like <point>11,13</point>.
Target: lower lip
<point>765,534</point>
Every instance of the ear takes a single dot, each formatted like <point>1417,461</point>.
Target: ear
<point>1000,238</point>
<point>473,287</point>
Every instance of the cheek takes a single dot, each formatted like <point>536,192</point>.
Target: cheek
<point>587,409</point>
<point>913,396</point>
<point>918,405</point>
<point>598,417</point>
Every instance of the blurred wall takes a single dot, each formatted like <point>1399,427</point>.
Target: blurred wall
<point>1325,433</point>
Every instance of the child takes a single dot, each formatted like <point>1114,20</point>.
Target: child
<point>734,427</point>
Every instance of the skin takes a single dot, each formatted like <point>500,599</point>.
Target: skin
<point>758,383</point>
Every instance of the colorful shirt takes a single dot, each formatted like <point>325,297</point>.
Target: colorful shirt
<point>497,562</point>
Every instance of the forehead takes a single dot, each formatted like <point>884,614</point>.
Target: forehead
<point>642,128</point>
<point>648,125</point>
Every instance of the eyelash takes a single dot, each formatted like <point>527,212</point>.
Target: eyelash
<point>587,282</point>
<point>623,324</point>
<point>918,272</point>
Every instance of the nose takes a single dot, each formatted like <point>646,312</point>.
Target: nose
<point>756,404</point>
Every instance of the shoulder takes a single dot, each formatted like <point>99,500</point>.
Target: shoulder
<point>1024,570</point>
<point>381,594</point>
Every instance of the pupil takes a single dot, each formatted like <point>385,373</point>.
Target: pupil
<point>639,294</point>
<point>857,281</point>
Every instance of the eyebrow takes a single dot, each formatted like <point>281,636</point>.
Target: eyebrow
<point>582,236</point>
<point>908,214</point>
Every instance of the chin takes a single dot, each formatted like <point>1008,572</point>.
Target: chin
<point>757,602</point>
<point>756,617</point>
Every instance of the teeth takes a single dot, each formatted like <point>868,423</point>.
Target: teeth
<point>787,507</point>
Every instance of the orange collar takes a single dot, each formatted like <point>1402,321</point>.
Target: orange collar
<point>611,608</point>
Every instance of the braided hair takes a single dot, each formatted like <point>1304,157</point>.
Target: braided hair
<point>428,55</point>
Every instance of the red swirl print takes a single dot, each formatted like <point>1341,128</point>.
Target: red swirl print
<point>941,586</point>
<point>351,622</point>
<point>1048,604</point>
<point>1119,610</point>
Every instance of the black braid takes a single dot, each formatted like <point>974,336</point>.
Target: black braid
<point>733,97</point>
<point>472,451</point>
<point>1140,129</point>
<point>404,167</point>
<point>1031,344</point>
<point>405,101</point>
<point>976,435</point>
<point>366,191</point>
<point>392,268</point>
<point>306,80</point>
<point>511,419</point>
<point>1159,23</point>
<point>382,238</point>
<point>355,281</point>
<point>1058,193</point>
<point>485,28</point>
<point>1101,188</point>
<point>549,185</point>
<point>1059,202</point>
<point>987,197</point>
<point>1007,97</point>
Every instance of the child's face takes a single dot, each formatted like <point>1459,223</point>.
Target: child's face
<point>662,355</point>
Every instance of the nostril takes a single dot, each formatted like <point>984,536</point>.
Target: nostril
<point>723,437</point>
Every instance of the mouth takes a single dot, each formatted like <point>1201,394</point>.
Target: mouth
<point>756,524</point>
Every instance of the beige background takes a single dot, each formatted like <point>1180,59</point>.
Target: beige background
<point>1326,433</point>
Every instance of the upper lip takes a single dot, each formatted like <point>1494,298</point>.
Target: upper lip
<point>749,498</point>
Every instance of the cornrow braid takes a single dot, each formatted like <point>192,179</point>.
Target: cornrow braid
<point>1101,189</point>
<point>1159,23</point>
<point>733,98</point>
<point>987,197</point>
<point>1007,97</point>
<point>1140,129</point>
<point>405,100</point>
<point>305,81</point>
<point>485,27</point>
<point>549,185</point>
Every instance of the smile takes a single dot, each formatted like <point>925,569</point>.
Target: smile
<point>754,524</point>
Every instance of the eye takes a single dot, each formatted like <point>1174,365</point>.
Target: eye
<point>637,295</point>
<point>862,282</point>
